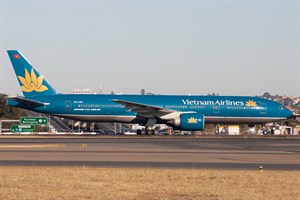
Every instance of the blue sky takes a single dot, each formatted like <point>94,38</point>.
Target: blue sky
<point>166,47</point>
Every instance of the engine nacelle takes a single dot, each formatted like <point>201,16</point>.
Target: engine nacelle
<point>190,122</point>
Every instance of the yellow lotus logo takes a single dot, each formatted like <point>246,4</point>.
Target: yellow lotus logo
<point>31,82</point>
<point>192,120</point>
<point>251,103</point>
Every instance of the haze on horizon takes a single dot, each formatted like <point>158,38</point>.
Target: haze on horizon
<point>166,47</point>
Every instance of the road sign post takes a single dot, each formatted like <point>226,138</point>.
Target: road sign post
<point>22,128</point>
<point>34,120</point>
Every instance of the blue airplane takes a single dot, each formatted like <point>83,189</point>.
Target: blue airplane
<point>180,112</point>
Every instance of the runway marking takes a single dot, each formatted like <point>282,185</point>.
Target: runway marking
<point>31,146</point>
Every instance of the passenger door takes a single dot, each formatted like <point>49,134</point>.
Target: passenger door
<point>68,105</point>
<point>263,108</point>
<point>216,109</point>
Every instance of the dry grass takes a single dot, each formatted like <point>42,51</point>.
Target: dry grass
<point>140,183</point>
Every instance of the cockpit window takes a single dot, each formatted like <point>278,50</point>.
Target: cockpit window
<point>281,107</point>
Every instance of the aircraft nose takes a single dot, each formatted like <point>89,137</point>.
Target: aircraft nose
<point>288,113</point>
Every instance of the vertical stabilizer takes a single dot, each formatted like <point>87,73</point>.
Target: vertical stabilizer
<point>32,83</point>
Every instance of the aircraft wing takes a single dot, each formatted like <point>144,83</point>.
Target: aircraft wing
<point>28,102</point>
<point>144,110</point>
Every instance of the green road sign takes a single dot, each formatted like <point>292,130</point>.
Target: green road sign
<point>22,128</point>
<point>34,120</point>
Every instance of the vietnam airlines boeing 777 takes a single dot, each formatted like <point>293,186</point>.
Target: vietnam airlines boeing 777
<point>180,112</point>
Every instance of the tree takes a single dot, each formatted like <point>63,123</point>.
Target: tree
<point>267,95</point>
<point>8,112</point>
<point>213,94</point>
<point>288,101</point>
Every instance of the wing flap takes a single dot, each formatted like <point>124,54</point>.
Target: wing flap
<point>144,110</point>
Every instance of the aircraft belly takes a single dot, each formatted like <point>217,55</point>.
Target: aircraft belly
<point>240,120</point>
<point>134,119</point>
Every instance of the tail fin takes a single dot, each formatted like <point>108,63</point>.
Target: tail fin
<point>32,83</point>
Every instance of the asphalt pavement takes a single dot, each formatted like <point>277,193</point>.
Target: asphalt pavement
<point>160,152</point>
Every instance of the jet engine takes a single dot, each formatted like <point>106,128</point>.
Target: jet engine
<point>189,122</point>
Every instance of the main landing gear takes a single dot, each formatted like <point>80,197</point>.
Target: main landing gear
<point>146,131</point>
<point>149,130</point>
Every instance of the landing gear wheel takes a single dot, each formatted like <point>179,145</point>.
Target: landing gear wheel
<point>150,132</point>
<point>143,132</point>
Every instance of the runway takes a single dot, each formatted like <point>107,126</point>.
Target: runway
<point>163,152</point>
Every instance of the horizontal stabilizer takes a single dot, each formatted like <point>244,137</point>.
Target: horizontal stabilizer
<point>28,102</point>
